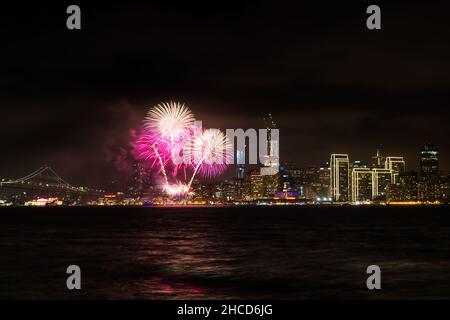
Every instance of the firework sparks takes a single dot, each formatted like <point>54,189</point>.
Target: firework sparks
<point>176,189</point>
<point>211,152</point>
<point>148,149</point>
<point>167,127</point>
<point>172,122</point>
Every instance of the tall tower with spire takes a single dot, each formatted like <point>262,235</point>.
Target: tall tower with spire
<point>270,125</point>
<point>378,160</point>
<point>271,162</point>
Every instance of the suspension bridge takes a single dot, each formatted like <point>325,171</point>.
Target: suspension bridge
<point>44,180</point>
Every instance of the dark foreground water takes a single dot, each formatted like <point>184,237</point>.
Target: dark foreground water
<point>215,253</point>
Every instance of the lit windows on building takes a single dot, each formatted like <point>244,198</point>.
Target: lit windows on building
<point>340,177</point>
<point>362,184</point>
<point>406,188</point>
<point>256,185</point>
<point>396,165</point>
<point>240,167</point>
<point>382,179</point>
<point>315,182</point>
<point>429,162</point>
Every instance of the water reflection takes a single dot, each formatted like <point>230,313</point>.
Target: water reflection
<point>214,253</point>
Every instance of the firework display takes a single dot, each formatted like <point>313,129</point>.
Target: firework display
<point>168,135</point>
<point>171,123</point>
<point>211,153</point>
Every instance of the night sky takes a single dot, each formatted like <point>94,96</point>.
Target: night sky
<point>71,99</point>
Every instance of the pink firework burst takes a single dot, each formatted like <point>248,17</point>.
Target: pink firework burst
<point>169,131</point>
<point>151,149</point>
<point>168,127</point>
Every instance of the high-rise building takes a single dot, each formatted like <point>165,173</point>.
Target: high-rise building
<point>244,188</point>
<point>429,162</point>
<point>429,180</point>
<point>256,185</point>
<point>284,178</point>
<point>362,184</point>
<point>295,178</point>
<point>316,182</point>
<point>358,164</point>
<point>382,179</point>
<point>284,181</point>
<point>238,188</point>
<point>240,168</point>
<point>270,124</point>
<point>270,185</point>
<point>323,187</point>
<point>396,165</point>
<point>340,177</point>
<point>378,160</point>
<point>271,161</point>
<point>229,190</point>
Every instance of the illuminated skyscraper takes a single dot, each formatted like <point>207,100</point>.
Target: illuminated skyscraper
<point>256,185</point>
<point>316,182</point>
<point>362,184</point>
<point>296,178</point>
<point>378,160</point>
<point>271,182</point>
<point>429,162</point>
<point>271,162</point>
<point>340,177</point>
<point>396,165</point>
<point>229,191</point>
<point>270,124</point>
<point>429,182</point>
<point>358,164</point>
<point>240,168</point>
<point>382,179</point>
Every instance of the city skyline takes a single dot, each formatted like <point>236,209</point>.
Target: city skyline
<point>386,179</point>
